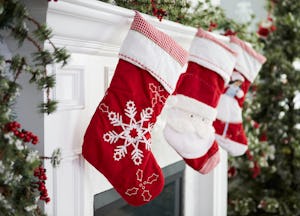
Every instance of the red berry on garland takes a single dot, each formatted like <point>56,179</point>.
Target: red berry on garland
<point>16,124</point>
<point>255,170</point>
<point>27,138</point>
<point>273,28</point>
<point>231,171</point>
<point>42,186</point>
<point>44,192</point>
<point>249,155</point>
<point>42,170</point>
<point>21,135</point>
<point>36,172</point>
<point>256,125</point>
<point>229,32</point>
<point>43,177</point>
<point>16,133</point>
<point>212,26</point>
<point>35,140</point>
<point>42,197</point>
<point>263,137</point>
<point>47,200</point>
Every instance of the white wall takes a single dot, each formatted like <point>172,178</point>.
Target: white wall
<point>241,10</point>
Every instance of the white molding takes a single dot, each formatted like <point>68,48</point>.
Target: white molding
<point>70,154</point>
<point>55,191</point>
<point>103,12</point>
<point>78,186</point>
<point>220,185</point>
<point>76,100</point>
<point>108,74</point>
<point>77,45</point>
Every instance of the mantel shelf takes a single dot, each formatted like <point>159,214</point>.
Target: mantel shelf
<point>99,28</point>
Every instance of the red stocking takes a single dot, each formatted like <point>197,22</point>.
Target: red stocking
<point>117,141</point>
<point>230,133</point>
<point>189,127</point>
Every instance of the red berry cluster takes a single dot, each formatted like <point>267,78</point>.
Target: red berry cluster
<point>256,168</point>
<point>231,171</point>
<point>40,172</point>
<point>26,136</point>
<point>229,32</point>
<point>212,26</point>
<point>159,13</point>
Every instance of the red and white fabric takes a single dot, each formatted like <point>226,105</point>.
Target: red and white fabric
<point>117,141</point>
<point>192,106</point>
<point>230,133</point>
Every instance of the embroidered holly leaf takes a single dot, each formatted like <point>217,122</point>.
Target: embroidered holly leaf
<point>152,178</point>
<point>162,99</point>
<point>139,175</point>
<point>146,195</point>
<point>152,87</point>
<point>131,191</point>
<point>103,107</point>
<point>154,101</point>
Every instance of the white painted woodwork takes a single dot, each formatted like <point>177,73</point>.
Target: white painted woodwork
<point>93,32</point>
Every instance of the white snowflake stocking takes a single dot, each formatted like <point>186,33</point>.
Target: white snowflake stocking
<point>230,133</point>
<point>117,141</point>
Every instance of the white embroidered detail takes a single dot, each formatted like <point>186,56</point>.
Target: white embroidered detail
<point>133,133</point>
<point>157,97</point>
<point>142,185</point>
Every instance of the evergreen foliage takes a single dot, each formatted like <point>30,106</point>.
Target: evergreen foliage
<point>22,177</point>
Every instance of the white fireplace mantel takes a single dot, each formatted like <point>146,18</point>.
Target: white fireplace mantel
<point>94,27</point>
<point>92,31</point>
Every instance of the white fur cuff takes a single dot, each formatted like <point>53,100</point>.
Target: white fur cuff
<point>233,148</point>
<point>193,106</point>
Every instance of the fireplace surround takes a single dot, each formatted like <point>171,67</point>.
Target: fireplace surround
<point>168,203</point>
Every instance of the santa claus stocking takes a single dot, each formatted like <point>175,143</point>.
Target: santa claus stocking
<point>117,141</point>
<point>193,104</point>
<point>229,127</point>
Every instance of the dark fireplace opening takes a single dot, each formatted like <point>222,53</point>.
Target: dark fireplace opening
<point>168,203</point>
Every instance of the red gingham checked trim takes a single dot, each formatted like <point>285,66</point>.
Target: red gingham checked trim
<point>248,49</point>
<point>203,34</point>
<point>161,39</point>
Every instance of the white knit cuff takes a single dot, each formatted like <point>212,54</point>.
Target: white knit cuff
<point>152,50</point>
<point>248,61</point>
<point>207,51</point>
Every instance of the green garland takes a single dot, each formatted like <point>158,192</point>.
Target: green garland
<point>203,15</point>
<point>275,139</point>
<point>22,176</point>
